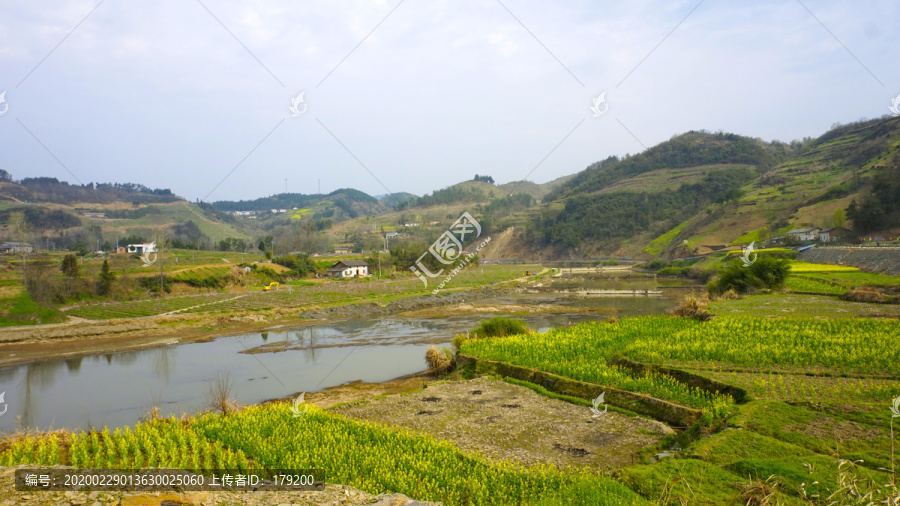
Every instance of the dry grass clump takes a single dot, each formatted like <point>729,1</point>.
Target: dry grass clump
<point>692,307</point>
<point>8,439</point>
<point>218,395</point>
<point>439,361</point>
<point>761,492</point>
<point>729,294</point>
<point>864,295</point>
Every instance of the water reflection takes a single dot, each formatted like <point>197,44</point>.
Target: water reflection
<point>116,389</point>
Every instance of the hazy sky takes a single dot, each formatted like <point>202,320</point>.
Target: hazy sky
<point>416,95</point>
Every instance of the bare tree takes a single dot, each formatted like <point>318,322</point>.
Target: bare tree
<point>20,230</point>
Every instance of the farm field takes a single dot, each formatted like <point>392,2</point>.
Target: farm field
<point>803,430</point>
<point>817,415</point>
<point>840,276</point>
<point>371,457</point>
<point>308,294</point>
<point>799,305</point>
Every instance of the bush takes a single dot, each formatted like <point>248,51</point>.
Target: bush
<point>500,326</point>
<point>152,283</point>
<point>300,264</point>
<point>693,307</point>
<point>673,271</point>
<point>269,273</point>
<point>439,361</point>
<point>766,273</point>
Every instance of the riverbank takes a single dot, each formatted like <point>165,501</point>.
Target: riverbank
<point>80,337</point>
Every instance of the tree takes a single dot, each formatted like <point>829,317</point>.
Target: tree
<point>69,266</point>
<point>107,278</point>
<point>20,230</point>
<point>840,217</point>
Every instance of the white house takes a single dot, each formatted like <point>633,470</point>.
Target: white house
<point>16,247</point>
<point>348,269</point>
<point>141,248</point>
<point>804,234</point>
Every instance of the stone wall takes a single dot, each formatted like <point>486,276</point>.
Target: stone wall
<point>883,260</point>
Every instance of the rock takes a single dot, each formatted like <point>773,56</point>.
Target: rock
<point>663,455</point>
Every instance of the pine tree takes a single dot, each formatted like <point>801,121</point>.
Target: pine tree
<point>107,278</point>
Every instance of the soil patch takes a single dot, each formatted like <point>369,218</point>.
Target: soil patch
<point>501,421</point>
<point>823,427</point>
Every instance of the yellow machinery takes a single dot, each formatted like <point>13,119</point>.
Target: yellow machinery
<point>271,287</point>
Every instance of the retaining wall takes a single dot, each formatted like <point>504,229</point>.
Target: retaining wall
<point>883,260</point>
<point>671,413</point>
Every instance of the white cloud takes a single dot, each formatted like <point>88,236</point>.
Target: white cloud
<point>162,94</point>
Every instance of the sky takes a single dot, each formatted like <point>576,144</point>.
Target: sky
<point>415,95</point>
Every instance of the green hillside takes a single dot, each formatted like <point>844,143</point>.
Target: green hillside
<point>701,191</point>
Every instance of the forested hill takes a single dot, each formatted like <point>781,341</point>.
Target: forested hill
<point>692,149</point>
<point>702,190</point>
<point>346,202</point>
<point>51,190</point>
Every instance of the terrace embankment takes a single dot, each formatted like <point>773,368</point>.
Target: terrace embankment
<point>882,260</point>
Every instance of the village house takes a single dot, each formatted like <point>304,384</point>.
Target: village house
<point>141,248</point>
<point>348,269</point>
<point>342,251</point>
<point>804,234</point>
<point>16,247</point>
<point>834,234</point>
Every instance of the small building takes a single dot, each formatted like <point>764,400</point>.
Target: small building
<point>342,251</point>
<point>348,269</point>
<point>141,248</point>
<point>834,234</point>
<point>804,234</point>
<point>16,247</point>
<point>120,250</point>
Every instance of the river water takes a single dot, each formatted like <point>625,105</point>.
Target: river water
<point>117,389</point>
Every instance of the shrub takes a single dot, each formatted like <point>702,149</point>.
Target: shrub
<point>218,394</point>
<point>152,283</point>
<point>500,326</point>
<point>439,361</point>
<point>269,273</point>
<point>673,271</point>
<point>693,307</point>
<point>766,273</point>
